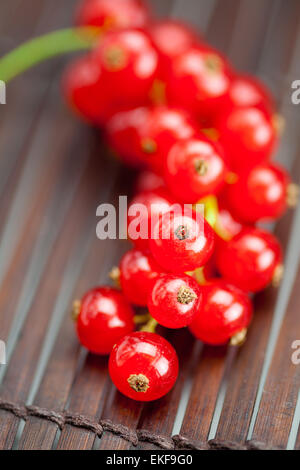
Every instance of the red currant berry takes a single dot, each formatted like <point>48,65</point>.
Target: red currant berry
<point>147,180</point>
<point>143,366</point>
<point>171,38</point>
<point>225,314</point>
<point>174,300</point>
<point>129,64</point>
<point>147,134</point>
<point>104,316</point>
<point>83,88</point>
<point>248,136</point>
<point>247,92</point>
<point>250,260</point>
<point>144,211</point>
<point>199,80</point>
<point>109,15</point>
<point>182,241</point>
<point>260,194</point>
<point>138,272</point>
<point>195,168</point>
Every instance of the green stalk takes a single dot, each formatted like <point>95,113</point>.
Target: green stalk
<point>45,47</point>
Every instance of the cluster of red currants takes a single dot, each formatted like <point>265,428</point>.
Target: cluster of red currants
<point>174,107</point>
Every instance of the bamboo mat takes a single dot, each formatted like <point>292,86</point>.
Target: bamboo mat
<point>54,172</point>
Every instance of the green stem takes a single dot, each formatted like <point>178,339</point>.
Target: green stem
<point>45,47</point>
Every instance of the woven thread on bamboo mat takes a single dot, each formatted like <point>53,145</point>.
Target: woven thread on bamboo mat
<point>62,419</point>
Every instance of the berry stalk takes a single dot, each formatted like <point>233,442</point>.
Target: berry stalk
<point>45,47</point>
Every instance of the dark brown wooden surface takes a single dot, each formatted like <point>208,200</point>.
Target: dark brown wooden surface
<point>54,172</point>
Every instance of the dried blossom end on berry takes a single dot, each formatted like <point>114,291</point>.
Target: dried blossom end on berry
<point>76,307</point>
<point>213,63</point>
<point>201,167</point>
<point>149,146</point>
<point>185,295</point>
<point>115,58</point>
<point>278,123</point>
<point>293,192</point>
<point>138,382</point>
<point>278,275</point>
<point>182,232</point>
<point>115,275</point>
<point>239,338</point>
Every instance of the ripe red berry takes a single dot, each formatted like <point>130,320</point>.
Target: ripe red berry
<point>171,38</point>
<point>147,134</point>
<point>109,15</point>
<point>129,64</point>
<point>195,168</point>
<point>250,260</point>
<point>248,136</point>
<point>83,89</point>
<point>199,80</point>
<point>174,300</point>
<point>143,366</point>
<point>182,241</point>
<point>144,211</point>
<point>246,91</point>
<point>138,272</point>
<point>263,193</point>
<point>226,312</point>
<point>104,316</point>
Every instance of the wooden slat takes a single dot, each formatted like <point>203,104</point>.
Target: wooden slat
<point>33,199</point>
<point>21,368</point>
<point>208,376</point>
<point>249,33</point>
<point>87,398</point>
<point>297,443</point>
<point>119,410</point>
<point>281,389</point>
<point>244,377</point>
<point>223,21</point>
<point>64,358</point>
<point>19,118</point>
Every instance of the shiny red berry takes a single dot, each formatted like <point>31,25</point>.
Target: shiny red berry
<point>147,134</point>
<point>171,39</point>
<point>246,91</point>
<point>112,14</point>
<point>174,301</point>
<point>248,136</point>
<point>226,312</point>
<point>83,89</point>
<point>199,80</point>
<point>194,168</point>
<point>251,260</point>
<point>143,366</point>
<point>144,211</point>
<point>138,272</point>
<point>182,241</point>
<point>129,64</point>
<point>104,316</point>
<point>263,193</point>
